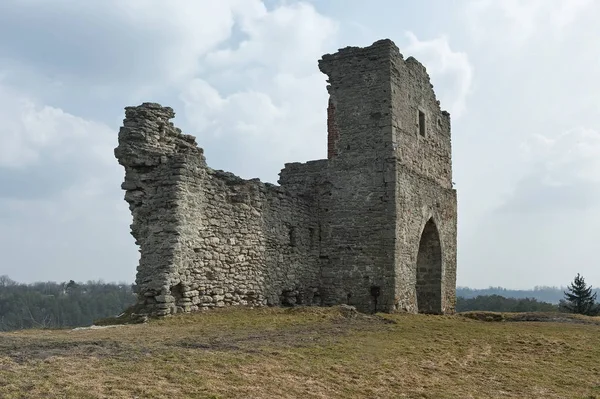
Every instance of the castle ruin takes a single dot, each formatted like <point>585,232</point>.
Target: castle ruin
<point>373,225</point>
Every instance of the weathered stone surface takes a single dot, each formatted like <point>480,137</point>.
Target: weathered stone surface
<point>373,226</point>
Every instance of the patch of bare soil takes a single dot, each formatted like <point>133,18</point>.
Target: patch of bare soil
<point>347,321</point>
<point>22,351</point>
<point>344,321</point>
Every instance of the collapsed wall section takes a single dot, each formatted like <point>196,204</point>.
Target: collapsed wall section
<point>153,152</point>
<point>208,238</point>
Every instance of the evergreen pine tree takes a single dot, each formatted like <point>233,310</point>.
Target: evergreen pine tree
<point>579,298</point>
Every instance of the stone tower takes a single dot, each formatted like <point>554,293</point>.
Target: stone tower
<point>390,159</point>
<point>373,225</point>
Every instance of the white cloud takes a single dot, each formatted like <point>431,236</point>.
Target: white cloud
<point>560,160</point>
<point>114,42</point>
<point>515,22</point>
<point>520,15</point>
<point>245,112</point>
<point>276,113</point>
<point>226,58</point>
<point>450,68</point>
<point>568,11</point>
<point>256,132</point>
<point>184,30</point>
<point>290,38</point>
<point>75,225</point>
<point>526,158</point>
<point>545,231</point>
<point>30,130</point>
<point>81,233</point>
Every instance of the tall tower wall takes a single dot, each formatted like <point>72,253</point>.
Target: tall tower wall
<point>358,196</point>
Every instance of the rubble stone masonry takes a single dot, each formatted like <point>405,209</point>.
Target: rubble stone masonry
<point>373,225</point>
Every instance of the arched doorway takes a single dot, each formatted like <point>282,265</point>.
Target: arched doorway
<point>429,270</point>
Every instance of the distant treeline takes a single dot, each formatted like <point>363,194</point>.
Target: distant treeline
<point>70,304</point>
<point>59,305</point>
<point>497,303</point>
<point>543,294</point>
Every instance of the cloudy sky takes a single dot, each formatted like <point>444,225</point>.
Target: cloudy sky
<point>520,78</point>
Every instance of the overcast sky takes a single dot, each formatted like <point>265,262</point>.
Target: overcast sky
<point>521,80</point>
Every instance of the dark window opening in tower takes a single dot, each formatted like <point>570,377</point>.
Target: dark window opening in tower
<point>422,123</point>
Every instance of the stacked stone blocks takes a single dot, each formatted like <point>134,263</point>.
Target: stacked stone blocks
<point>373,225</point>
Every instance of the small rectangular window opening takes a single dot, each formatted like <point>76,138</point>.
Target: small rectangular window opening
<point>422,123</point>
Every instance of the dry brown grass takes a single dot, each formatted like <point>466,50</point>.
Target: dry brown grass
<point>299,353</point>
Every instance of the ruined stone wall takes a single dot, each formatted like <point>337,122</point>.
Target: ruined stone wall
<point>151,150</point>
<point>421,200</point>
<point>209,238</point>
<point>358,206</point>
<point>421,137</point>
<point>373,226</point>
<point>245,243</point>
<point>424,149</point>
<point>304,179</point>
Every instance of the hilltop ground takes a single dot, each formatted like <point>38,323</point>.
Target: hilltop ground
<point>306,353</point>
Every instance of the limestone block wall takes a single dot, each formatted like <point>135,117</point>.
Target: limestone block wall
<point>151,150</point>
<point>421,129</point>
<point>358,206</point>
<point>426,202</point>
<point>304,179</point>
<point>426,244</point>
<point>244,243</point>
<point>209,238</point>
<point>373,225</point>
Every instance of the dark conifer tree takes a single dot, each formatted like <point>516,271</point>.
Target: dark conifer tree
<point>579,298</point>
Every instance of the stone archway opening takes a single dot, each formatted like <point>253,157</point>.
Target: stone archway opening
<point>429,271</point>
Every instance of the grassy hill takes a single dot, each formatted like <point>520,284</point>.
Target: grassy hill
<point>307,353</point>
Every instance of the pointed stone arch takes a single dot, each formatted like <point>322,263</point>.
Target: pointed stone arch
<point>429,270</point>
